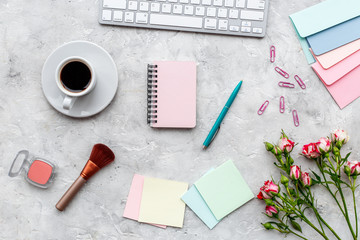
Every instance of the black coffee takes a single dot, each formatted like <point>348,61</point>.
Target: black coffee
<point>75,76</point>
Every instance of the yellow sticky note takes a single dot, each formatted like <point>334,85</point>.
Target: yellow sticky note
<point>161,202</point>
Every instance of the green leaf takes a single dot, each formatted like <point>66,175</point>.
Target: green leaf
<point>347,156</point>
<point>316,176</point>
<point>296,226</point>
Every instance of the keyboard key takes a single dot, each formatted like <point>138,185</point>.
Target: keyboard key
<point>246,29</point>
<point>211,12</point>
<point>144,6</point>
<point>132,5</point>
<point>233,13</point>
<point>206,2</point>
<point>222,12</point>
<point>184,1</point>
<point>223,25</point>
<point>155,7</point>
<point>189,10</point>
<point>129,17</point>
<point>173,1</point>
<point>229,3</point>
<point>195,2</point>
<point>199,11</point>
<point>177,21</point>
<point>234,28</point>
<point>256,4</point>
<point>118,16</point>
<point>141,17</point>
<point>118,4</point>
<point>218,2</point>
<point>246,24</point>
<point>210,23</point>
<point>252,15</point>
<point>240,3</point>
<point>177,9</point>
<point>106,15</point>
<point>257,30</point>
<point>166,8</point>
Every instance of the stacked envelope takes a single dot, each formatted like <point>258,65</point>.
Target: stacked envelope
<point>329,34</point>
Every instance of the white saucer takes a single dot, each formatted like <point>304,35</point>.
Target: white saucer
<point>106,74</point>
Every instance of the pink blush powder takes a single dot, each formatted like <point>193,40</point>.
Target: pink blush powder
<point>39,172</point>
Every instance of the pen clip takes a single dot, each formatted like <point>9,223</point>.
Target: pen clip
<point>214,135</point>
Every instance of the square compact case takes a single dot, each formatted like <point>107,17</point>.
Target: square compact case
<point>38,171</point>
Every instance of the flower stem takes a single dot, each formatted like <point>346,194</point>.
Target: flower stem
<point>353,188</point>
<point>311,205</point>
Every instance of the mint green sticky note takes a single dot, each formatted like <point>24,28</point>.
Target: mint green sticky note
<point>224,190</point>
<point>194,200</point>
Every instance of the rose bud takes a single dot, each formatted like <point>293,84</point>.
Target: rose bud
<point>269,190</point>
<point>340,136</point>
<point>268,226</point>
<point>268,146</point>
<point>352,168</point>
<point>271,211</point>
<point>295,172</point>
<point>285,144</point>
<point>311,151</point>
<point>306,179</point>
<point>324,145</point>
<point>284,180</point>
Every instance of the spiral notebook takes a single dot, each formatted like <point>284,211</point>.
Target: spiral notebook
<point>171,94</point>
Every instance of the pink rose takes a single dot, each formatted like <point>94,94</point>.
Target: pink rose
<point>324,145</point>
<point>286,144</point>
<point>295,172</point>
<point>271,211</point>
<point>311,151</point>
<point>354,167</point>
<point>340,135</point>
<point>306,179</point>
<point>268,190</point>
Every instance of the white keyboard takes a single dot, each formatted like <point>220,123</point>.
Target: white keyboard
<point>230,17</point>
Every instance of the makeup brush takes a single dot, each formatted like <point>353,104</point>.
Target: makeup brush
<point>100,156</point>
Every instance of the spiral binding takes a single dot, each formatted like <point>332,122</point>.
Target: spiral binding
<point>152,94</point>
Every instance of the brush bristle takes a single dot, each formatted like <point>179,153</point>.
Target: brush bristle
<point>101,155</point>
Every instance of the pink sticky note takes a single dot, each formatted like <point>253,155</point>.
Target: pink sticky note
<point>331,58</point>
<point>331,75</point>
<point>346,89</point>
<point>132,208</point>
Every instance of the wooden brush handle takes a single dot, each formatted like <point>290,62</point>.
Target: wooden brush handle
<point>70,193</point>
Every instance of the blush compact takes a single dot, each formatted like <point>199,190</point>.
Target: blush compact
<point>37,171</point>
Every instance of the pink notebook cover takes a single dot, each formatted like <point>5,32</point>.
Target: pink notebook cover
<point>331,58</point>
<point>176,95</point>
<point>336,72</point>
<point>346,89</point>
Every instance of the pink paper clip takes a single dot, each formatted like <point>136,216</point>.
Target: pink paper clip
<point>286,84</point>
<point>282,104</point>
<point>300,82</point>
<point>272,54</point>
<point>296,118</point>
<point>263,107</point>
<point>282,72</point>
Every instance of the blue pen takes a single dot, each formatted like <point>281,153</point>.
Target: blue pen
<point>216,126</point>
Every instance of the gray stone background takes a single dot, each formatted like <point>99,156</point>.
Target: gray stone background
<point>31,30</point>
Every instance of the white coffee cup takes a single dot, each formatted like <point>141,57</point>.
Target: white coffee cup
<point>75,77</point>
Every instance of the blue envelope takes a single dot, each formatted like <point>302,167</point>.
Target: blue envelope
<point>322,16</point>
<point>335,37</point>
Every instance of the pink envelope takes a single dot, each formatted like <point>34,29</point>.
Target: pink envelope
<point>132,208</point>
<point>331,75</point>
<point>346,89</point>
<point>331,58</point>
